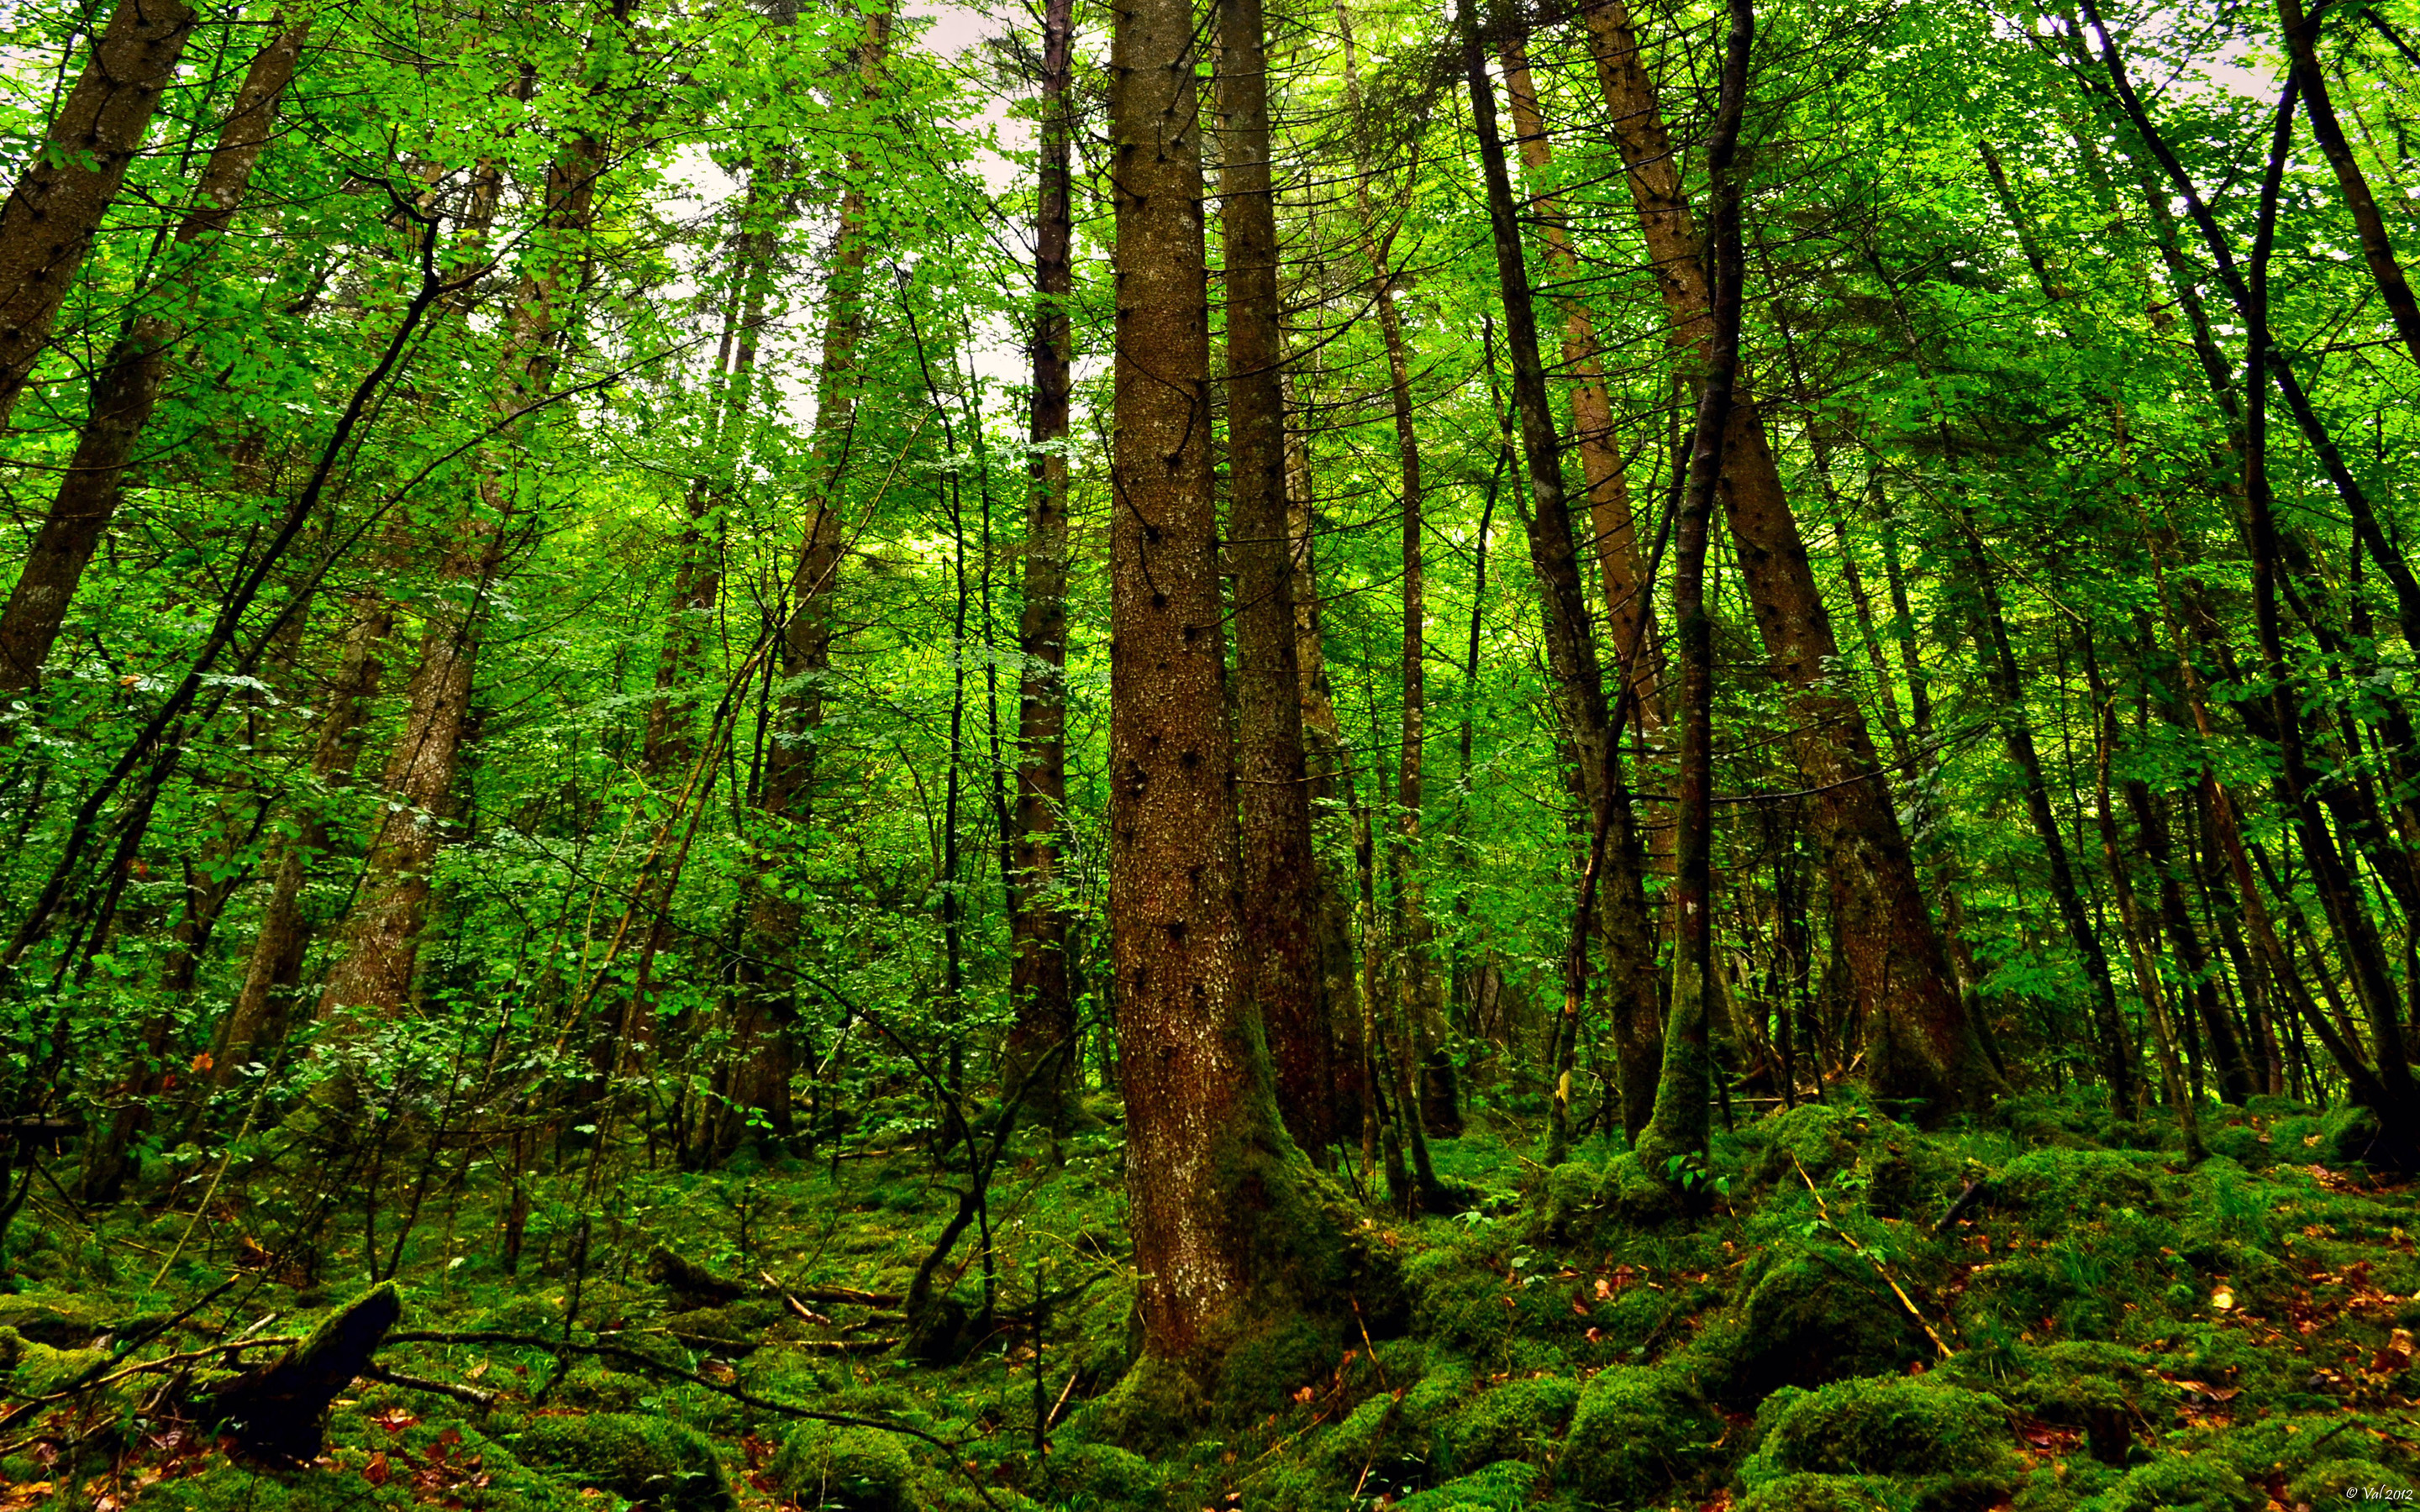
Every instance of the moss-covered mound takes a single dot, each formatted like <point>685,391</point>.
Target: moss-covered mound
<point>645,1459</point>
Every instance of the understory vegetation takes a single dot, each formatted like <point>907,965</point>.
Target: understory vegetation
<point>2050,1314</point>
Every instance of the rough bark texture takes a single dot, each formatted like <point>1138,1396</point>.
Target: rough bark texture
<point>1229,1234</point>
<point>1274,792</point>
<point>1041,987</point>
<point>127,388</point>
<point>48,221</point>
<point>1921,1046</point>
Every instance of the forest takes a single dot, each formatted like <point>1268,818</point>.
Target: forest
<point>813,756</point>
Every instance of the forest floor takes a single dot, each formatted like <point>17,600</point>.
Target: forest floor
<point>2095,1327</point>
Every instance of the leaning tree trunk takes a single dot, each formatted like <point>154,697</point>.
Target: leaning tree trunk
<point>2377,249</point>
<point>126,390</point>
<point>1922,1047</point>
<point>1228,1236</point>
<point>1040,1054</point>
<point>1616,863</point>
<point>48,221</point>
<point>378,951</point>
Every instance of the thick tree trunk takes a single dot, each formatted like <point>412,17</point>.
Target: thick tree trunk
<point>1922,1047</point>
<point>1275,798</point>
<point>1041,988</point>
<point>48,221</point>
<point>1228,1235</point>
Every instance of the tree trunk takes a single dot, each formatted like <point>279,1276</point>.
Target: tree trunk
<point>1040,986</point>
<point>2377,249</point>
<point>1228,1236</point>
<point>1272,779</point>
<point>751,1087</point>
<point>1677,1132</point>
<point>378,950</point>
<point>48,221</point>
<point>1922,1047</point>
<point>2006,681</point>
<point>127,388</point>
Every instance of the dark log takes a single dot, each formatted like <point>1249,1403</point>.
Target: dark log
<point>279,1411</point>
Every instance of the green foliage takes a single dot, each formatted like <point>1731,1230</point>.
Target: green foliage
<point>639,1458</point>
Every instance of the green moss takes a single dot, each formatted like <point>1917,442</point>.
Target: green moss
<point>1815,1313</point>
<point>1111,1475</point>
<point>1888,1426</point>
<point>1503,1486</point>
<point>643,1459</point>
<point>1828,1494</point>
<point>2179,1483</point>
<point>2075,1182</point>
<point>592,1386</point>
<point>844,1468</point>
<point>1637,1429</point>
<point>41,1370</point>
<point>2336,1481</point>
<point>61,1322</point>
<point>1518,1420</point>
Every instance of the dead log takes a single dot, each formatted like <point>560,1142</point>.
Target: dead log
<point>279,1411</point>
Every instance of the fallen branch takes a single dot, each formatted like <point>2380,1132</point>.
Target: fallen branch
<point>471,1395</point>
<point>1880,1269</point>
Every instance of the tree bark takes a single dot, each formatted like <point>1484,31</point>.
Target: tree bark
<point>1272,778</point>
<point>1922,1047</point>
<point>127,388</point>
<point>1225,1234</point>
<point>2377,248</point>
<point>1040,989</point>
<point>48,221</point>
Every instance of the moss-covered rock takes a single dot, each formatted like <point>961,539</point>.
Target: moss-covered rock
<point>1109,1475</point>
<point>1815,1313</point>
<point>1635,1430</point>
<point>844,1468</point>
<point>41,1370</point>
<point>2065,1183</point>
<point>642,1459</point>
<point>1830,1493</point>
<point>1503,1486</point>
<point>593,1387</point>
<point>2179,1483</point>
<point>62,1322</point>
<point>1519,1420</point>
<point>1885,1425</point>
<point>2334,1482</point>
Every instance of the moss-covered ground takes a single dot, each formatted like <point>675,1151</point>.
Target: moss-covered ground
<point>2100,1327</point>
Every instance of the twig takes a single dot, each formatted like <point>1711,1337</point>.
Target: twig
<point>796,1307</point>
<point>473,1395</point>
<point>1880,1269</point>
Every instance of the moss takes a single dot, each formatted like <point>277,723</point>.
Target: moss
<point>844,1468</point>
<point>1263,1370</point>
<point>1816,1313</point>
<point>1503,1486</point>
<point>592,1386</point>
<point>1637,1429</point>
<point>2179,1483</point>
<point>427,1463</point>
<point>2337,1481</point>
<point>1111,1475</point>
<point>2074,1184</point>
<point>61,1322</point>
<point>643,1459</point>
<point>41,1370</point>
<point>1828,1494</point>
<point>1519,1420</point>
<point>1887,1426</point>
